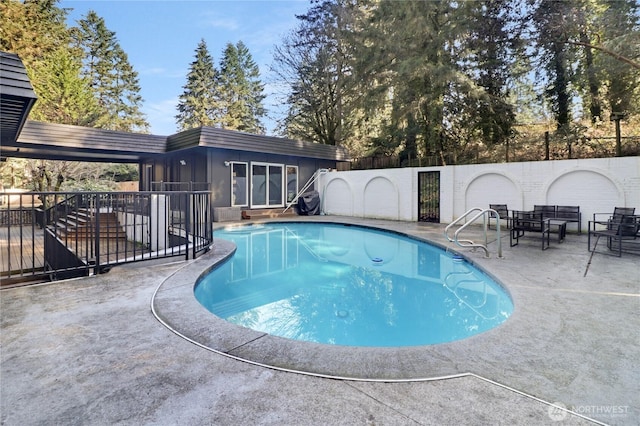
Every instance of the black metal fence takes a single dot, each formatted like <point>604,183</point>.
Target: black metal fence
<point>538,149</point>
<point>57,235</point>
<point>180,186</point>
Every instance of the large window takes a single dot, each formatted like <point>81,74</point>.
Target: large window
<point>267,185</point>
<point>239,184</point>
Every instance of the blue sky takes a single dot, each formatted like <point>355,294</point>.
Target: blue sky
<point>160,38</point>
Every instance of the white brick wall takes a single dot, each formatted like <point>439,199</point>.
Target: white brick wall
<point>596,185</point>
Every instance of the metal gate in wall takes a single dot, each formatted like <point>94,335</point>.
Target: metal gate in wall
<point>429,197</point>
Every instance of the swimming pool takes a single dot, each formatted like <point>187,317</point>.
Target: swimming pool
<point>349,285</point>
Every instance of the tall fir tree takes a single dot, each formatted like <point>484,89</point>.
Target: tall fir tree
<point>33,29</point>
<point>126,102</point>
<point>111,77</point>
<point>555,23</point>
<point>619,26</point>
<point>92,37</point>
<point>198,104</point>
<point>241,91</point>
<point>61,86</point>
<point>405,58</point>
<point>486,53</point>
<point>36,31</point>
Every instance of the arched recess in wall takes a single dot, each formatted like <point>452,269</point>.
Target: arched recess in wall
<point>493,188</point>
<point>381,199</point>
<point>575,187</point>
<point>338,198</point>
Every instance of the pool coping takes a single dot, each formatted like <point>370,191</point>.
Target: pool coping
<point>176,307</point>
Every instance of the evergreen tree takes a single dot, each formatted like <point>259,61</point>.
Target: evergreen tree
<point>241,91</point>
<point>33,29</point>
<point>405,57</point>
<point>588,12</point>
<point>36,31</point>
<point>605,35</point>
<point>619,30</point>
<point>96,42</point>
<point>111,77</point>
<point>198,105</point>
<point>67,95</point>
<point>486,56</point>
<point>126,102</point>
<point>555,23</point>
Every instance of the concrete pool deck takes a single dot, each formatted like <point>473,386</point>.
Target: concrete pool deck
<point>90,351</point>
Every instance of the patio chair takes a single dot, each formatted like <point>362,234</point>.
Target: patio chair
<point>618,212</point>
<point>503,211</point>
<point>532,222</point>
<point>619,229</point>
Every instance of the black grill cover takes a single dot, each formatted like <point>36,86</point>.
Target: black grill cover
<point>309,204</point>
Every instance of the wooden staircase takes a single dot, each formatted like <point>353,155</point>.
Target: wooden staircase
<point>80,223</point>
<point>78,228</point>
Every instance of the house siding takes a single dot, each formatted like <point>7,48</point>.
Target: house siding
<point>221,175</point>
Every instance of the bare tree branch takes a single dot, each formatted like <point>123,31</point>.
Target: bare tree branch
<point>607,51</point>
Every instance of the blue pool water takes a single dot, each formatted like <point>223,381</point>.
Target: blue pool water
<point>349,285</point>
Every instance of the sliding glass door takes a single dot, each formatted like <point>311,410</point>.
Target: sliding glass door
<point>275,190</point>
<point>267,189</point>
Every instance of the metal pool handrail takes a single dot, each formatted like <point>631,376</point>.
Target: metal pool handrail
<point>469,243</point>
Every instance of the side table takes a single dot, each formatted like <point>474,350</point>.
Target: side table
<point>561,228</point>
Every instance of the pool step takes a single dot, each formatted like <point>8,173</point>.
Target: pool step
<point>267,213</point>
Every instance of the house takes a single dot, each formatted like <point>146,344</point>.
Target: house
<point>234,166</point>
<point>241,170</point>
<point>187,179</point>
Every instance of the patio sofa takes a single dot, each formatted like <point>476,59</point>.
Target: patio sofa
<point>569,214</point>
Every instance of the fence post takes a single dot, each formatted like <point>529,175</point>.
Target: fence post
<point>96,235</point>
<point>189,196</point>
<point>546,145</point>
<point>618,141</point>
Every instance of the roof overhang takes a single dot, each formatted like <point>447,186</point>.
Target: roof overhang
<point>75,143</point>
<point>213,137</point>
<point>50,141</point>
<point>16,97</point>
